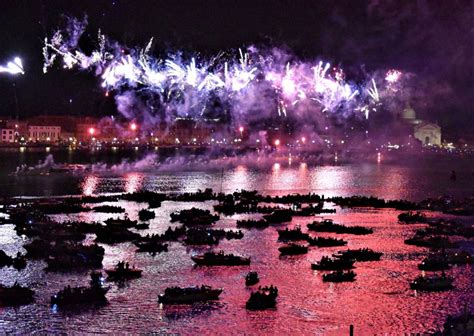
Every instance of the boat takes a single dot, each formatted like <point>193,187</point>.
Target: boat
<point>433,283</point>
<point>462,324</point>
<point>363,254</point>
<point>329,264</point>
<point>142,226</point>
<point>15,295</point>
<point>262,299</point>
<point>327,225</point>
<point>252,223</point>
<point>19,262</point>
<point>251,278</point>
<point>108,209</point>
<point>178,295</point>
<point>339,276</point>
<point>201,237</point>
<point>436,262</point>
<point>412,217</point>
<point>220,259</point>
<point>145,214</point>
<point>69,168</point>
<point>279,216</point>
<point>151,246</point>
<point>194,216</point>
<point>5,259</point>
<point>292,234</point>
<point>460,258</point>
<point>124,223</point>
<point>122,271</point>
<point>293,249</point>
<point>94,294</point>
<point>435,242</point>
<point>325,242</point>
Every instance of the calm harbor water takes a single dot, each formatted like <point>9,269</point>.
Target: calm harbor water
<point>378,302</point>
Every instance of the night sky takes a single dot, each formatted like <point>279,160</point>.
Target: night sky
<point>432,39</point>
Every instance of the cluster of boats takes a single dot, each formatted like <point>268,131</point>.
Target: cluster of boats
<point>60,244</point>
<point>342,262</point>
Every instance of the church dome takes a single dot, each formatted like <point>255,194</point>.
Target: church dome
<point>409,113</point>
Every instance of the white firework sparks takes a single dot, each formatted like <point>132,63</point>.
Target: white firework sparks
<point>185,86</point>
<point>14,67</point>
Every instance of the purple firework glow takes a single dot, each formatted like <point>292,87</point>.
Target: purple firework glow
<point>254,86</point>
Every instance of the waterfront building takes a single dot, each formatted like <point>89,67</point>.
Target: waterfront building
<point>39,133</point>
<point>7,135</point>
<point>428,133</point>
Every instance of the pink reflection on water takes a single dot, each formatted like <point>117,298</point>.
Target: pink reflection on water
<point>238,179</point>
<point>289,178</point>
<point>89,185</point>
<point>133,182</point>
<point>327,181</point>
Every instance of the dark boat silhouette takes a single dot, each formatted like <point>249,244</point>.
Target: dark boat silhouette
<point>363,254</point>
<point>433,283</point>
<point>339,276</point>
<point>251,278</point>
<point>264,298</point>
<point>94,294</point>
<point>220,259</point>
<point>177,295</point>
<point>293,249</point>
<point>292,234</point>
<point>15,295</point>
<point>122,271</point>
<point>326,242</point>
<point>145,214</point>
<point>329,264</point>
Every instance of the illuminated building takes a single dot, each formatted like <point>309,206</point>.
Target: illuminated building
<point>428,133</point>
<point>7,135</point>
<point>39,133</point>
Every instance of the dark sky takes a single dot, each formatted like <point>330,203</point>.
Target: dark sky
<point>433,39</point>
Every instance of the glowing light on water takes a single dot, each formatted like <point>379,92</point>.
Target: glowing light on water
<point>133,182</point>
<point>14,67</point>
<point>89,185</point>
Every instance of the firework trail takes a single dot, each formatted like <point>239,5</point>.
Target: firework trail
<point>254,85</point>
<point>14,67</point>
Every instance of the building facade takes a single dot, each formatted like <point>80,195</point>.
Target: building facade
<point>44,133</point>
<point>428,133</point>
<point>7,135</point>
